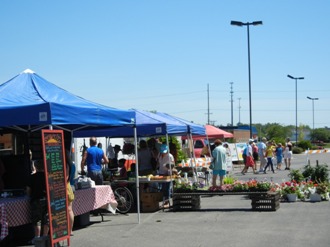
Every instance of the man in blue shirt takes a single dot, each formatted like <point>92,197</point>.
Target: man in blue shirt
<point>94,157</point>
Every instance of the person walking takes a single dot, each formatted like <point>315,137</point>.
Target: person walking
<point>219,161</point>
<point>255,154</point>
<point>93,157</point>
<point>262,153</point>
<point>279,156</point>
<point>269,155</point>
<point>249,161</point>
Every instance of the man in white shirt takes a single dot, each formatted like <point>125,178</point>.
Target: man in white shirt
<point>262,152</point>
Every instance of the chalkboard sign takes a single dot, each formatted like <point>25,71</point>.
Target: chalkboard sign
<point>55,170</point>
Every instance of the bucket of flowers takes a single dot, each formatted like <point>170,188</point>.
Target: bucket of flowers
<point>291,191</point>
<point>322,189</point>
<point>308,189</point>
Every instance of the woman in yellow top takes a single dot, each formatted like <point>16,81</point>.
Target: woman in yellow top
<point>269,154</point>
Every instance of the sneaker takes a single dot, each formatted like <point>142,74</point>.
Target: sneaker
<point>265,172</point>
<point>243,173</point>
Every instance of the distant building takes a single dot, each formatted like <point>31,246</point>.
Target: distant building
<point>241,133</point>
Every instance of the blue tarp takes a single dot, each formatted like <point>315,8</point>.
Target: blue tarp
<point>28,99</point>
<point>147,124</point>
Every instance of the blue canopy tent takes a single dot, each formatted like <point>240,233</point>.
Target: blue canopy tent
<point>29,102</point>
<point>147,124</point>
<point>193,129</point>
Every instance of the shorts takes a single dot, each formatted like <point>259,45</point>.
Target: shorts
<point>39,212</point>
<point>96,176</point>
<point>70,193</point>
<point>288,155</point>
<point>219,172</point>
<point>255,156</point>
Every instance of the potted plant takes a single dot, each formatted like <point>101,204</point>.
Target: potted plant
<point>291,191</point>
<point>317,173</point>
<point>322,189</point>
<point>296,175</point>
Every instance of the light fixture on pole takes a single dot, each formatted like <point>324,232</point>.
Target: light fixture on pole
<point>312,99</point>
<point>247,24</point>
<point>296,78</point>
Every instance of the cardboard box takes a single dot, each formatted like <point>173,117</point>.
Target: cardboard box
<point>150,207</point>
<point>151,197</point>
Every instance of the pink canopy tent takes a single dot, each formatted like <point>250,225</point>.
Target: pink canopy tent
<point>212,133</point>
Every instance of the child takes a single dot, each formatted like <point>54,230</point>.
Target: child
<point>279,155</point>
<point>37,192</point>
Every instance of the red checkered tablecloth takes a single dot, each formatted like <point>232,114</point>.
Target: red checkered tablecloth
<point>17,211</point>
<point>89,199</point>
<point>14,212</point>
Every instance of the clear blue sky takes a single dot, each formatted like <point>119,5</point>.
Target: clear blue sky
<point>161,55</point>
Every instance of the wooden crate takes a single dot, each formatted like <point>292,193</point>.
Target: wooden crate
<point>151,197</point>
<point>147,207</point>
<point>266,202</point>
<point>186,202</point>
<point>150,201</point>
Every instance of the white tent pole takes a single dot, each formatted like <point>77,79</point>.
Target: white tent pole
<point>137,175</point>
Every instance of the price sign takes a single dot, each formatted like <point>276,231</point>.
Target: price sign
<point>55,170</point>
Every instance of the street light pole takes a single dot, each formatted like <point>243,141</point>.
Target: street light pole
<point>231,103</point>
<point>247,24</point>
<point>296,78</point>
<point>312,99</point>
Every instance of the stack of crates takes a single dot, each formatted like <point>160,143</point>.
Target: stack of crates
<point>186,202</point>
<point>150,201</point>
<point>266,202</point>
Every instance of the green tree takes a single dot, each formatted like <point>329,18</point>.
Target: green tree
<point>320,134</point>
<point>276,132</point>
<point>301,133</point>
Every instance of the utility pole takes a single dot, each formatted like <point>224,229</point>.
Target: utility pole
<point>239,110</point>
<point>208,104</point>
<point>232,101</point>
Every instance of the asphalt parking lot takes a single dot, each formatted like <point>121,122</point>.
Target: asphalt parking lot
<point>222,221</point>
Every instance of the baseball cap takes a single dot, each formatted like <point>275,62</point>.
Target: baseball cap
<point>163,148</point>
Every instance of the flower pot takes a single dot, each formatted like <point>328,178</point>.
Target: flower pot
<point>291,197</point>
<point>315,197</point>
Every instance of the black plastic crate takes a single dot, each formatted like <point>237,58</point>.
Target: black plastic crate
<point>266,202</point>
<point>186,202</point>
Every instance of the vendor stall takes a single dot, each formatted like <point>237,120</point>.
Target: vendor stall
<point>30,104</point>
<point>15,211</point>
